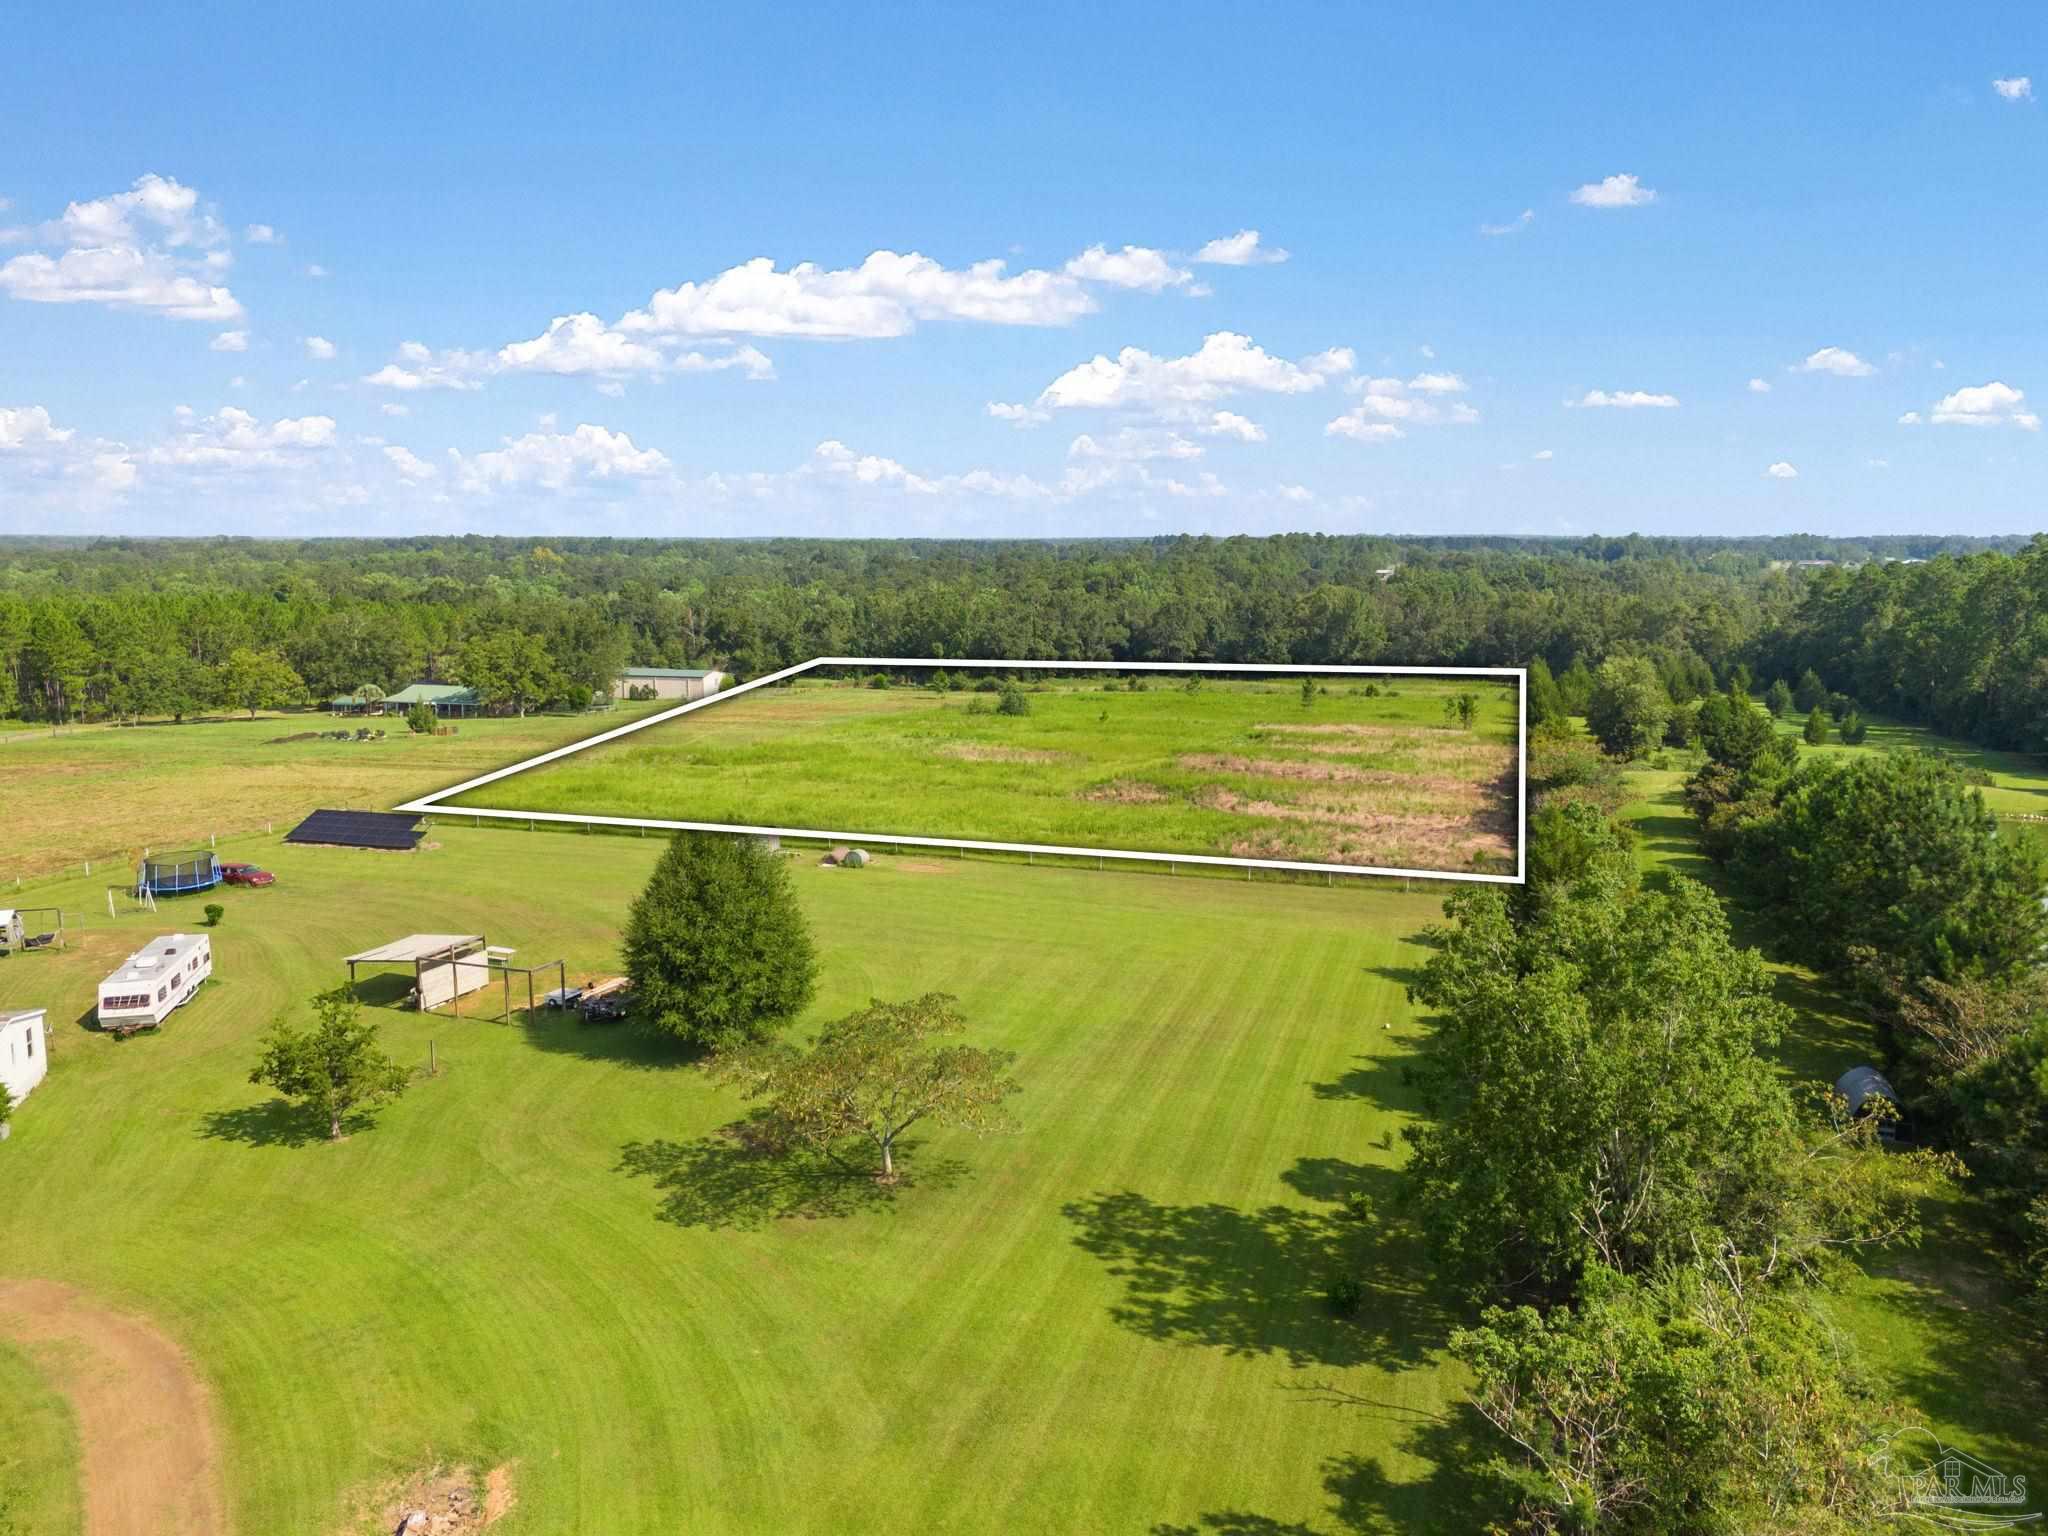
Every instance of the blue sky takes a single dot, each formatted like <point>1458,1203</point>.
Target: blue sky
<point>431,270</point>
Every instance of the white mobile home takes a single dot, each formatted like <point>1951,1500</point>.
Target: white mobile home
<point>155,979</point>
<point>24,1050</point>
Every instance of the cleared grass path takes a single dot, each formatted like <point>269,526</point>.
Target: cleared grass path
<point>142,1416</point>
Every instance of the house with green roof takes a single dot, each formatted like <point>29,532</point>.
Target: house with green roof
<point>447,700</point>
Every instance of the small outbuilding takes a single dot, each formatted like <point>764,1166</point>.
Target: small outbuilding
<point>444,966</point>
<point>682,683</point>
<point>843,857</point>
<point>24,1050</point>
<point>1862,1088</point>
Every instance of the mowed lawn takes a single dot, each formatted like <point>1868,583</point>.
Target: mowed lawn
<point>1370,772</point>
<point>106,792</point>
<point>1106,1321</point>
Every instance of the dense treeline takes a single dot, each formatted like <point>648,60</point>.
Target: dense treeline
<point>1960,644</point>
<point>117,628</point>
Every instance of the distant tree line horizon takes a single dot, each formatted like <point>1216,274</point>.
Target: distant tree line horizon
<point>1947,631</point>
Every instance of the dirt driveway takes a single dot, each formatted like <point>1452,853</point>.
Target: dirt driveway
<point>145,1422</point>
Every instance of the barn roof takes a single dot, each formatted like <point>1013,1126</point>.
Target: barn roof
<point>1860,1083</point>
<point>414,946</point>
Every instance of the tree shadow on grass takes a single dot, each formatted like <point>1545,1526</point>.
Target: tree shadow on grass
<point>1255,1282</point>
<point>1455,1495</point>
<point>1381,1080</point>
<point>273,1123</point>
<point>732,1178</point>
<point>1977,1367</point>
<point>562,1032</point>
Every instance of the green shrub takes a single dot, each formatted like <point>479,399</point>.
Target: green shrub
<point>1013,702</point>
<point>988,685</point>
<point>6,1105</point>
<point>214,913</point>
<point>940,682</point>
<point>1139,683</point>
<point>1854,729</point>
<point>421,719</point>
<point>1816,732</point>
<point>877,680</point>
<point>978,706</point>
<point>1345,1295</point>
<point>1193,684</point>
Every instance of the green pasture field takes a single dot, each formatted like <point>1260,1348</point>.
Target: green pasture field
<point>1236,768</point>
<point>106,792</point>
<point>544,1256</point>
<point>1106,1321</point>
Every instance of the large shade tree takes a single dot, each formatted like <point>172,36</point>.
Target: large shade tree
<point>716,945</point>
<point>871,1076</point>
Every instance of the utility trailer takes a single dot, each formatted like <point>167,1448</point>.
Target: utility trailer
<point>605,1002</point>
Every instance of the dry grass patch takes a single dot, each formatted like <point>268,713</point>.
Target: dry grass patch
<point>1126,792</point>
<point>439,1501</point>
<point>981,752</point>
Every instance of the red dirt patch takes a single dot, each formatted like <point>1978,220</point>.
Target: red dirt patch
<point>145,1418</point>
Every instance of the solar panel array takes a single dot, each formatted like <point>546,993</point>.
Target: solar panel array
<point>358,829</point>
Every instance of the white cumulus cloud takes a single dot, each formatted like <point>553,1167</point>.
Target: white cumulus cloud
<point>554,460</point>
<point>1981,405</point>
<point>230,341</point>
<point>1514,226</point>
<point>2014,88</point>
<point>1135,266</point>
<point>1759,386</point>
<point>1135,445</point>
<point>410,466</point>
<point>1242,249</point>
<point>1625,400</point>
<point>1019,415</point>
<point>886,295</point>
<point>1839,361</point>
<point>1614,192</point>
<point>27,425</point>
<point>1390,406</point>
<point>1226,363</point>
<point>1782,471</point>
<point>1230,424</point>
<point>319,348</point>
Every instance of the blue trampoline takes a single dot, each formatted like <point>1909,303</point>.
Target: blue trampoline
<point>177,874</point>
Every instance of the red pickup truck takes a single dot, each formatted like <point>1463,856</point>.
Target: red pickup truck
<point>246,874</point>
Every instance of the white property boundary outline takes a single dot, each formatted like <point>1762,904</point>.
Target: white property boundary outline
<point>434,803</point>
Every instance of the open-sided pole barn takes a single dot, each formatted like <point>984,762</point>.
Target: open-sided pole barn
<point>447,967</point>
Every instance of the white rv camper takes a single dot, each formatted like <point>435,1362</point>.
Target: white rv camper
<point>154,980</point>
